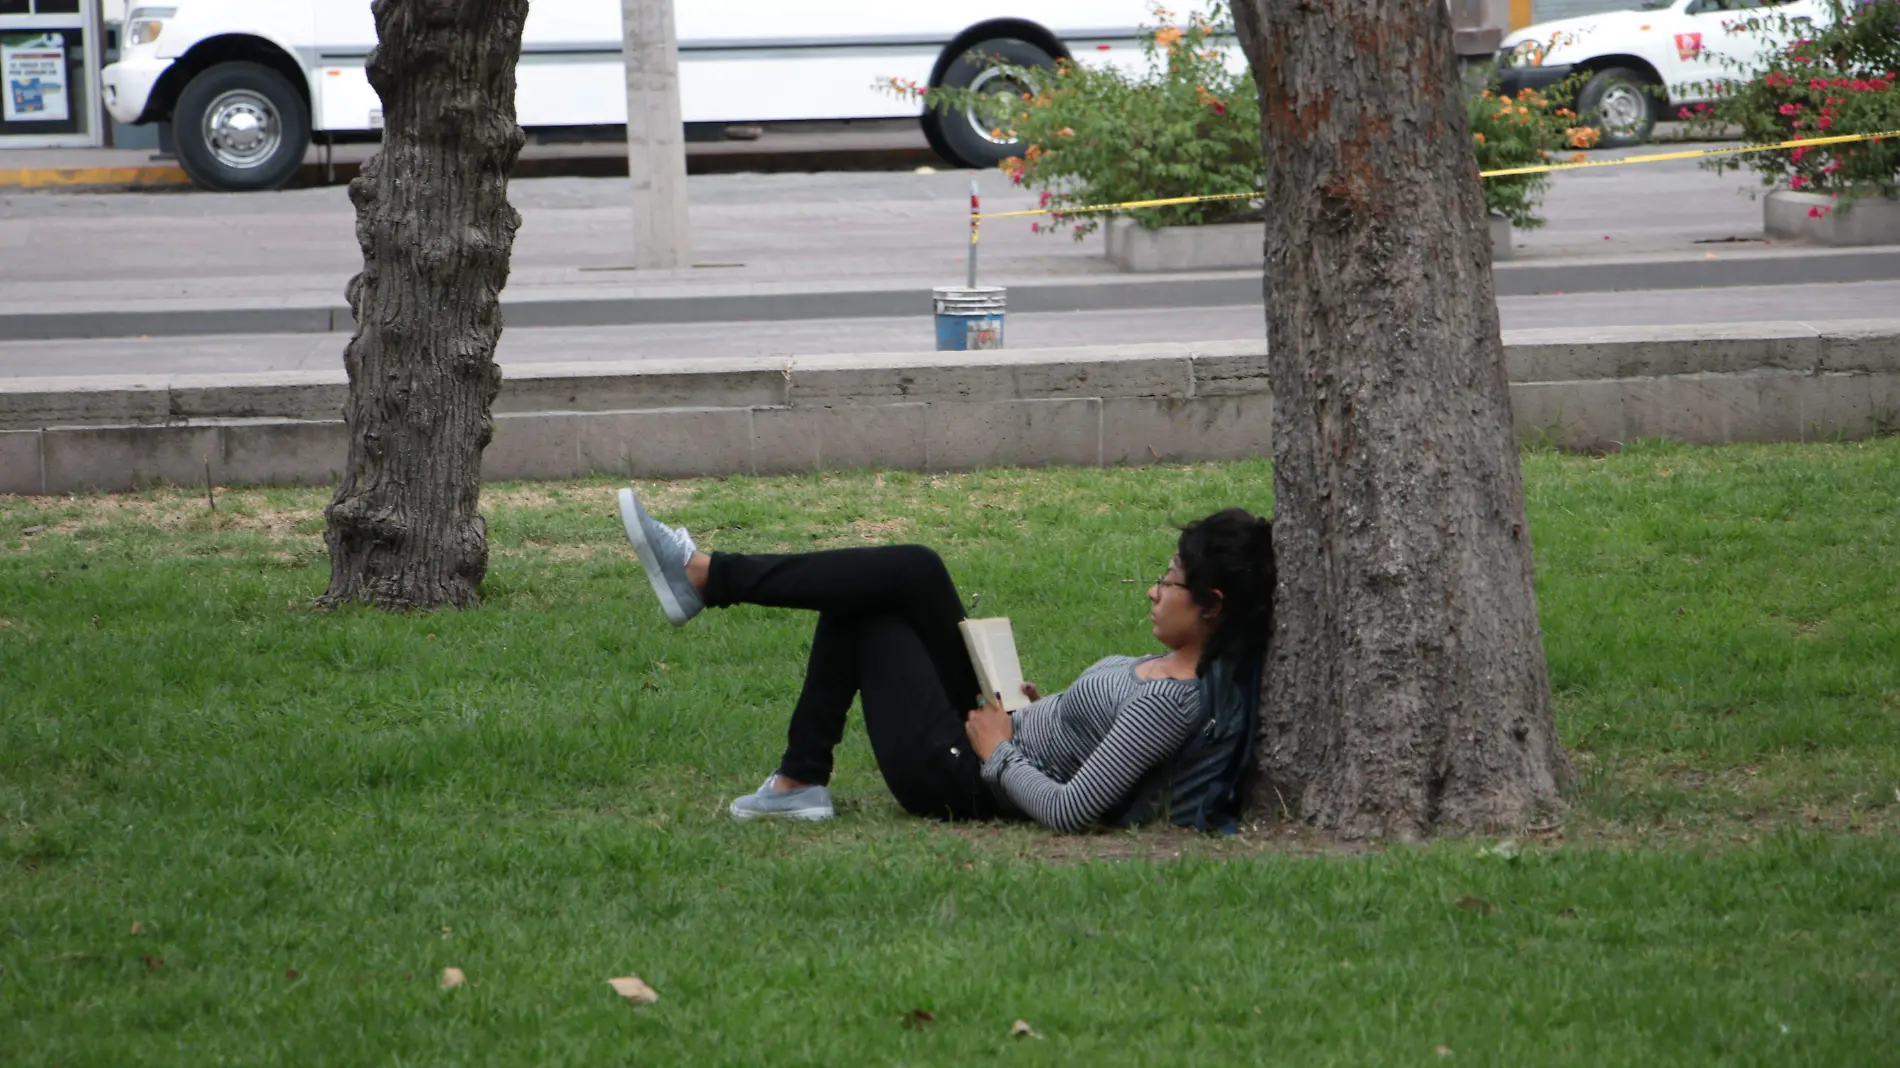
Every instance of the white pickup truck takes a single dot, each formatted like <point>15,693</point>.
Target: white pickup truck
<point>1647,63</point>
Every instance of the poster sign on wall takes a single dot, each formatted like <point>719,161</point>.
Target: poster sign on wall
<point>33,70</point>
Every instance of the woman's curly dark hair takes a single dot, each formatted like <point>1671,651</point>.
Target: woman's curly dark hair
<point>1227,561</point>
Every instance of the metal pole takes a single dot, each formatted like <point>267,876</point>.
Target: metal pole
<point>976,223</point>
<point>656,144</point>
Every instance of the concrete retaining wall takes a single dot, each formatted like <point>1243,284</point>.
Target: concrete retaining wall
<point>1220,247</point>
<point>1823,220</point>
<point>939,411</point>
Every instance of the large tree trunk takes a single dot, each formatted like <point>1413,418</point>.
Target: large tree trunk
<point>433,217</point>
<point>1406,690</point>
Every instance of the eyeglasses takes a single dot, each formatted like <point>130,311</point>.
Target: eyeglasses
<point>1164,582</point>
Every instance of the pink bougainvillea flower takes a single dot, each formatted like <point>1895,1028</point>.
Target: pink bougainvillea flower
<point>1798,153</point>
<point>1790,109</point>
<point>1823,122</point>
<point>1798,181</point>
<point>1035,228</point>
<point>1814,213</point>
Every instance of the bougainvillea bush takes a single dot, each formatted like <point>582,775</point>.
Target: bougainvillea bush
<point>1842,78</point>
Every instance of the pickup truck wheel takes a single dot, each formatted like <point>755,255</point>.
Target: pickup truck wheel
<point>979,136</point>
<point>1622,103</point>
<point>241,127</point>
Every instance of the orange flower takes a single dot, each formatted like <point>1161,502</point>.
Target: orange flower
<point>1168,36</point>
<point>1478,137</point>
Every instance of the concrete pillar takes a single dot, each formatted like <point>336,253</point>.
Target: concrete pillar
<point>656,139</point>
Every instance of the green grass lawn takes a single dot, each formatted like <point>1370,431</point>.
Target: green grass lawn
<point>236,830</point>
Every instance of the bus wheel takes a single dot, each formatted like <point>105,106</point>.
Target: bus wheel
<point>241,127</point>
<point>980,135</point>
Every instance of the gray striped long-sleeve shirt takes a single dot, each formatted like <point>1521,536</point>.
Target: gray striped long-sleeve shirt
<point>1077,754</point>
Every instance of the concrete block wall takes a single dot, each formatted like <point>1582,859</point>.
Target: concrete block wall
<point>1549,10</point>
<point>1127,404</point>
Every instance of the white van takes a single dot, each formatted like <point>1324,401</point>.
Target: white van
<point>1640,65</point>
<point>247,84</point>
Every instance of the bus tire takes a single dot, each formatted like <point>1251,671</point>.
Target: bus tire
<point>241,127</point>
<point>962,137</point>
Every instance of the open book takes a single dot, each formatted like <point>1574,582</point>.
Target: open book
<point>993,653</point>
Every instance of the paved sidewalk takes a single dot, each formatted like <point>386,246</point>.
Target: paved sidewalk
<point>787,246</point>
<point>522,348</point>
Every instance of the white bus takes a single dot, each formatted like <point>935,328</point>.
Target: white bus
<point>247,84</point>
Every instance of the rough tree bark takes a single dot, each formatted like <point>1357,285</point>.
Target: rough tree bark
<point>433,218</point>
<point>1406,691</point>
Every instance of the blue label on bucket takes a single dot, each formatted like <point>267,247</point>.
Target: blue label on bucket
<point>969,333</point>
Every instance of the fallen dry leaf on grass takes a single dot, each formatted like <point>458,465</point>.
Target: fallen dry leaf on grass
<point>634,989</point>
<point>918,1019</point>
<point>153,963</point>
<point>1021,1029</point>
<point>1476,904</point>
<point>1442,1051</point>
<point>138,928</point>
<point>452,978</point>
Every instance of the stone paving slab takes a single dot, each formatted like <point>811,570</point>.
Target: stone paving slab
<point>1576,314</point>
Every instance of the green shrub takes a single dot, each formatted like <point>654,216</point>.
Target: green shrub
<point>1189,126</point>
<point>1185,126</point>
<point>1525,130</point>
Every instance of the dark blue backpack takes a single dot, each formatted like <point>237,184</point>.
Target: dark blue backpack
<point>1200,786</point>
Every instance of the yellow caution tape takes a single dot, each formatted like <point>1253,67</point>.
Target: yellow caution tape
<point>1690,154</point>
<point>1131,205</point>
<point>1127,204</point>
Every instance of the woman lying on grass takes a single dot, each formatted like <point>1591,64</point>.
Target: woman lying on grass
<point>1134,738</point>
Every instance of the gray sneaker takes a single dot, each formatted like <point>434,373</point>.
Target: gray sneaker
<point>804,803</point>
<point>663,553</point>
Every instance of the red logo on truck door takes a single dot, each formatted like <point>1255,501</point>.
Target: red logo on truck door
<point>1688,45</point>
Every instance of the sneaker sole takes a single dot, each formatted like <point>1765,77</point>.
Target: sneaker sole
<point>649,560</point>
<point>809,814</point>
